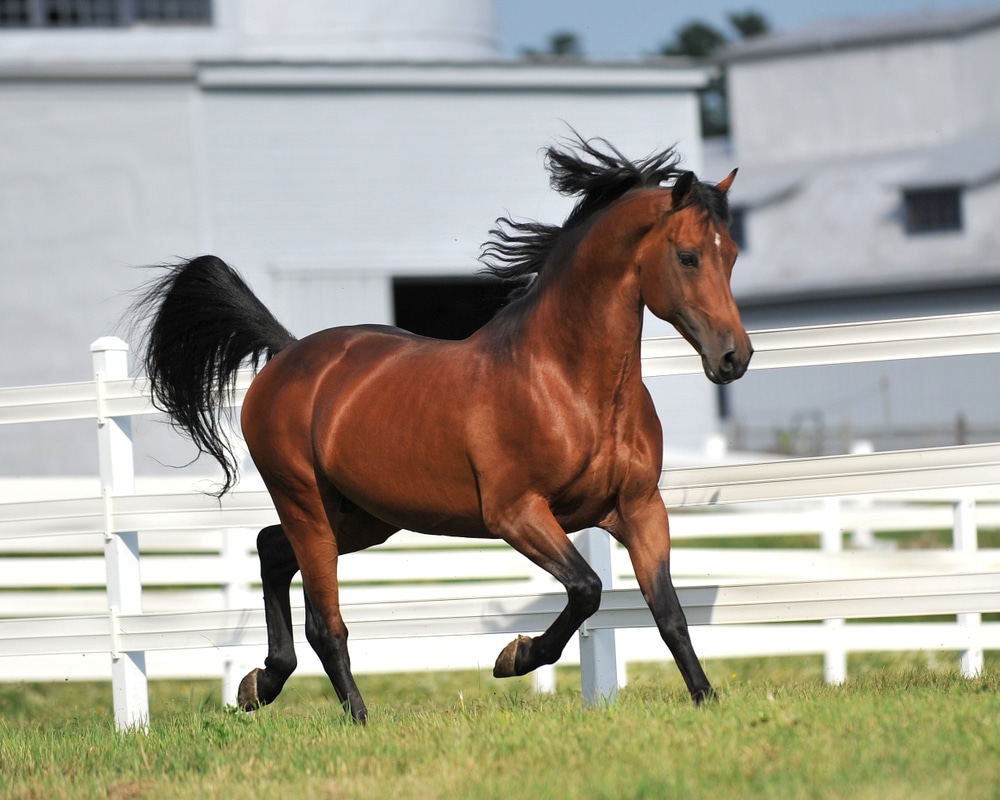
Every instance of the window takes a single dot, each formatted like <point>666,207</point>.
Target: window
<point>933,210</point>
<point>101,13</point>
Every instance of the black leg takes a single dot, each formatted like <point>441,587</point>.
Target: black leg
<point>331,647</point>
<point>672,624</point>
<point>277,568</point>
<point>537,535</point>
<point>645,531</point>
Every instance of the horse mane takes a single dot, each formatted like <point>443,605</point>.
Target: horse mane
<point>599,174</point>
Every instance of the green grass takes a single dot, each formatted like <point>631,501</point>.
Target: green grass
<point>898,729</point>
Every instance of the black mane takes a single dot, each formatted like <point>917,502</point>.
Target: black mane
<point>599,174</point>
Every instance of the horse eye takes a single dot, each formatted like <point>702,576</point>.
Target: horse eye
<point>688,258</point>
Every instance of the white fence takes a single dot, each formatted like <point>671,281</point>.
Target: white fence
<point>186,608</point>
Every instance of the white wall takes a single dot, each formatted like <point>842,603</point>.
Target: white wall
<point>304,29</point>
<point>320,195</point>
<point>96,177</point>
<point>843,103</point>
<point>827,141</point>
<point>400,182</point>
<point>843,227</point>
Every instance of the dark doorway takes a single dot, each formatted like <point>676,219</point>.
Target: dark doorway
<point>447,308</point>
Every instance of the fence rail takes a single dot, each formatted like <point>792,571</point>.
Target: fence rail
<point>932,488</point>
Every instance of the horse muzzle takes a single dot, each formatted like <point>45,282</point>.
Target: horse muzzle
<point>728,361</point>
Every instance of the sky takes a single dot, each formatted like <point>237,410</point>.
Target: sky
<point>615,29</point>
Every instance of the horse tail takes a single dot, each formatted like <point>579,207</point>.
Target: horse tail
<point>203,323</point>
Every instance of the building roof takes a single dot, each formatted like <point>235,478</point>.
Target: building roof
<point>867,32</point>
<point>967,161</point>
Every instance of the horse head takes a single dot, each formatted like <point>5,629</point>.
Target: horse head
<point>685,267</point>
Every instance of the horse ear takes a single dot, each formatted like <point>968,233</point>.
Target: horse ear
<point>682,188</point>
<point>725,183</point>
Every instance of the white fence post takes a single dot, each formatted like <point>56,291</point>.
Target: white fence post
<point>965,539</point>
<point>598,661</point>
<point>235,595</point>
<point>832,541</point>
<point>121,550</point>
<point>862,537</point>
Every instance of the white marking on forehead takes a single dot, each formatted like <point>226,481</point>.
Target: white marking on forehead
<point>718,239</point>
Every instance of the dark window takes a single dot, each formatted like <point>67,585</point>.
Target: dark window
<point>447,308</point>
<point>933,210</point>
<point>14,14</point>
<point>737,227</point>
<point>173,10</point>
<point>101,13</point>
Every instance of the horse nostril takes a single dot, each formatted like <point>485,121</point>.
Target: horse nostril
<point>728,365</point>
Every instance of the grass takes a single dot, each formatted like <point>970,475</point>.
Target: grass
<point>898,729</point>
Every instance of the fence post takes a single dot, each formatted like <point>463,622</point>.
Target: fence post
<point>121,551</point>
<point>598,661</point>
<point>832,541</point>
<point>863,537</point>
<point>965,539</point>
<point>235,592</point>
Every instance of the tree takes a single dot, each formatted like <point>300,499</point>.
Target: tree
<point>701,40</point>
<point>749,23</point>
<point>562,44</point>
<point>695,40</point>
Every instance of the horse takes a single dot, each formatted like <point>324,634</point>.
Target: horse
<point>535,426</point>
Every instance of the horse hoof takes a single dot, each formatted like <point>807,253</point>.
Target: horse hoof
<point>705,696</point>
<point>507,660</point>
<point>246,696</point>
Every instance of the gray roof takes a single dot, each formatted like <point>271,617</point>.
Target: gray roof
<point>864,32</point>
<point>971,161</point>
<point>966,161</point>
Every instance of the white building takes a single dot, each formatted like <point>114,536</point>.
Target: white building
<point>869,187</point>
<point>348,158</point>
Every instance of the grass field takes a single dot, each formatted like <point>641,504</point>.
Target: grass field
<point>900,728</point>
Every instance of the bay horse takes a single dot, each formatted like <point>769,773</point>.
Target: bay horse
<point>536,425</point>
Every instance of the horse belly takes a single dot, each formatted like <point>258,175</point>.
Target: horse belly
<point>392,442</point>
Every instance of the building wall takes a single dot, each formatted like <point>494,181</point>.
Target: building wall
<point>319,194</point>
<point>842,226</point>
<point>331,193</point>
<point>388,182</point>
<point>977,64</point>
<point>850,102</point>
<point>432,30</point>
<point>827,141</point>
<point>96,177</point>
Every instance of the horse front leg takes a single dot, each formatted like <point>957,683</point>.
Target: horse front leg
<point>536,534</point>
<point>645,532</point>
<point>278,566</point>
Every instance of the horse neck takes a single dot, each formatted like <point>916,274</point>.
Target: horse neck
<point>589,316</point>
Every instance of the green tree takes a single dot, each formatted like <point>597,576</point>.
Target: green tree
<point>703,41</point>
<point>749,23</point>
<point>561,44</point>
<point>695,40</point>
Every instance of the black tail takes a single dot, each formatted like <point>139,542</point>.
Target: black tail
<point>203,324</point>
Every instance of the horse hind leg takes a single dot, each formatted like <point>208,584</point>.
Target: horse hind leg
<point>537,535</point>
<point>278,566</point>
<point>307,521</point>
